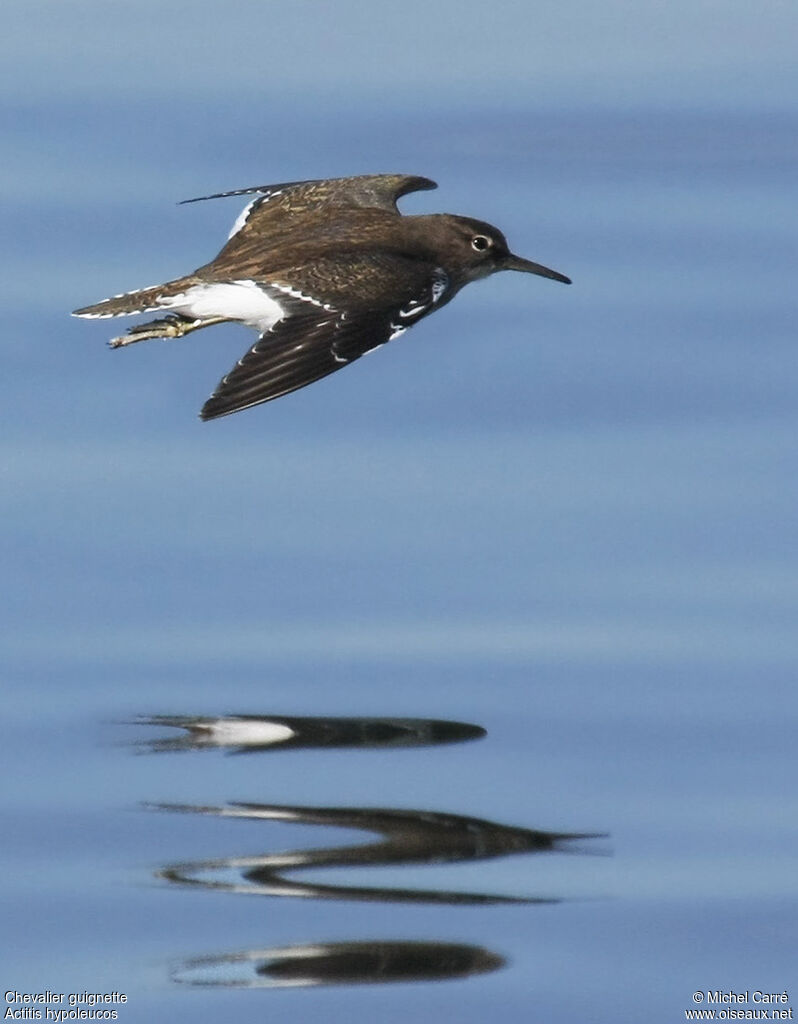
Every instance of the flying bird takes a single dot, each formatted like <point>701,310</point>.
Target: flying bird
<point>325,271</point>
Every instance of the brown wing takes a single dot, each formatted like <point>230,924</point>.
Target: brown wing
<point>316,337</point>
<point>371,190</point>
<point>297,351</point>
<point>281,217</point>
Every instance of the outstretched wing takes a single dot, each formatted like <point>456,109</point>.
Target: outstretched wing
<point>316,338</point>
<point>295,352</point>
<point>376,190</point>
<point>274,206</point>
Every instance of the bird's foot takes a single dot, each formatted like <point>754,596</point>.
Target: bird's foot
<point>171,326</point>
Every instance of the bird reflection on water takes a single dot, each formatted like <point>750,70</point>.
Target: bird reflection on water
<point>405,838</point>
<point>338,963</point>
<point>242,734</point>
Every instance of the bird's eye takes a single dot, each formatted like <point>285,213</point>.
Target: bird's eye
<point>480,243</point>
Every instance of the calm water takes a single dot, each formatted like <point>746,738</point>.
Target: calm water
<point>564,516</point>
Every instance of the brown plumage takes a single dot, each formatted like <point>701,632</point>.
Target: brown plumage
<point>325,271</point>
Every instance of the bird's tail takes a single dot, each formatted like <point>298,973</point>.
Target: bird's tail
<point>143,300</point>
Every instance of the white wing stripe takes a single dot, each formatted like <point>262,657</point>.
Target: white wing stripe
<point>296,294</point>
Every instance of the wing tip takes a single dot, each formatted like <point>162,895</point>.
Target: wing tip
<point>208,412</point>
<point>422,184</point>
<point>216,407</point>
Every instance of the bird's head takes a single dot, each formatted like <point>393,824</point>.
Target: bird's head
<point>475,249</point>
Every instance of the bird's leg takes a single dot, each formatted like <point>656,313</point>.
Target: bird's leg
<point>172,326</point>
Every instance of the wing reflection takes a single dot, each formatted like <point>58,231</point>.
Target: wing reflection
<point>242,734</point>
<point>338,963</point>
<point>406,837</point>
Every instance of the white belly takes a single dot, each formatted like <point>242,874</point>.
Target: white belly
<point>245,301</point>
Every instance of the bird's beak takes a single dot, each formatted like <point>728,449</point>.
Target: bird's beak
<point>528,267</point>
